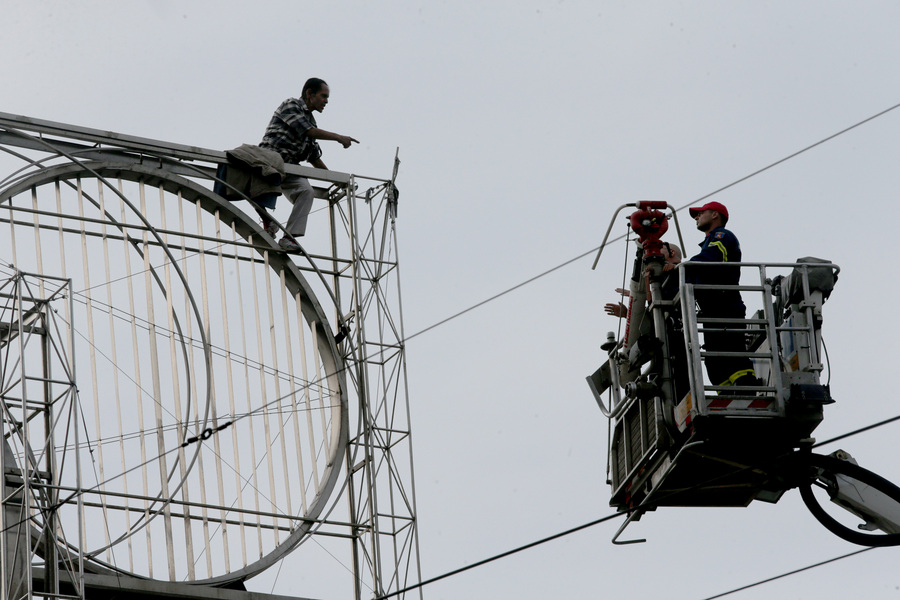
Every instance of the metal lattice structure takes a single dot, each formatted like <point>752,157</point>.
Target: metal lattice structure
<point>37,393</point>
<point>232,400</point>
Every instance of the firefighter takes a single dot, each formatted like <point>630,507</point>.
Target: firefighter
<point>720,246</point>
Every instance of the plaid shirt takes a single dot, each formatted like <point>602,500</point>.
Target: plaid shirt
<point>286,133</point>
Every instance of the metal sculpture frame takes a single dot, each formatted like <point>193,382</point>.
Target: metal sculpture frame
<point>358,279</point>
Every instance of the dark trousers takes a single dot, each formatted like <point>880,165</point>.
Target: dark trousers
<point>724,370</point>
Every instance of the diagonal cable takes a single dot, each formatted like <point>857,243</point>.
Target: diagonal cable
<point>680,208</point>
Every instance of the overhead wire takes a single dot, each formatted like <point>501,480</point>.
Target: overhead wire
<point>501,555</point>
<point>679,209</point>
<point>788,574</point>
<point>857,431</point>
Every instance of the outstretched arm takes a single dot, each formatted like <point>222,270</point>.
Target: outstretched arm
<point>320,134</point>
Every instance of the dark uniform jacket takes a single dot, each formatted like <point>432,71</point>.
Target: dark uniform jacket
<point>720,246</point>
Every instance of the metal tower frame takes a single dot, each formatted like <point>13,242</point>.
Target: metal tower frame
<point>378,456</point>
<point>38,398</point>
<point>358,277</point>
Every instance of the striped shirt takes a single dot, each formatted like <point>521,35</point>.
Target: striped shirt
<point>286,133</point>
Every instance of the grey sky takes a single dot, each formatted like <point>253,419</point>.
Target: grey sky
<point>521,127</point>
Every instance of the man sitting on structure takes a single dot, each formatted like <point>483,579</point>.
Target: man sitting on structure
<point>292,133</point>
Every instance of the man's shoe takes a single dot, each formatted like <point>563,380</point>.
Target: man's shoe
<point>289,244</point>
<point>270,227</point>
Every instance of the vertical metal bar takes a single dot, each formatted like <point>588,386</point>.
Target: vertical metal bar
<point>404,381</point>
<point>70,319</point>
<point>357,547</point>
<point>74,424</point>
<point>774,340</point>
<point>263,395</point>
<point>70,307</point>
<point>200,465</point>
<point>357,544</point>
<point>92,355</point>
<point>274,406</point>
<point>176,399</point>
<point>157,384</point>
<point>692,339</point>
<point>357,258</point>
<point>238,479</point>
<point>27,493</point>
<point>50,493</point>
<point>12,515</point>
<point>59,226</point>
<point>317,384</point>
<point>380,263</point>
<point>204,286</point>
<point>229,377</point>
<point>117,396</point>
<point>305,403</point>
<point>270,467</point>
<point>38,250</point>
<point>194,407</point>
<point>659,325</point>
<point>6,519</point>
<point>12,239</point>
<point>308,383</point>
<point>139,395</point>
<point>289,357</point>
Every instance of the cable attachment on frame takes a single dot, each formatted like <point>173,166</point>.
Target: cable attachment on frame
<point>393,194</point>
<point>344,327</point>
<point>205,434</point>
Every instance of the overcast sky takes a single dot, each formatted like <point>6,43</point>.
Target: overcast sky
<point>522,126</point>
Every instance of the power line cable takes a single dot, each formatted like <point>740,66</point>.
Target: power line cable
<point>857,431</point>
<point>679,209</point>
<point>503,293</point>
<point>788,574</point>
<point>502,555</point>
<point>794,155</point>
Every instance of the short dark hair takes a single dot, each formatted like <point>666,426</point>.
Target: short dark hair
<point>314,85</point>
